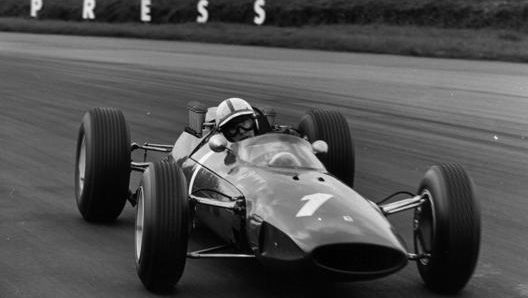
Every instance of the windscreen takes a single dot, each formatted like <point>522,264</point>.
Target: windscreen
<point>278,150</point>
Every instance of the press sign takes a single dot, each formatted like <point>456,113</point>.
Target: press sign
<point>201,8</point>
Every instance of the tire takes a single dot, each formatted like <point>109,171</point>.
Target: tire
<point>162,226</point>
<point>102,165</point>
<point>331,127</point>
<point>447,226</point>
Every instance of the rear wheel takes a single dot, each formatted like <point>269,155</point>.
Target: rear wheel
<point>447,228</point>
<point>331,127</point>
<point>102,167</point>
<point>162,226</point>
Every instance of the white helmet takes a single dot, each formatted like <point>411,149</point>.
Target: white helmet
<point>232,108</point>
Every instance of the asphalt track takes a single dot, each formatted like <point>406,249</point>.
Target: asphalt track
<point>405,114</point>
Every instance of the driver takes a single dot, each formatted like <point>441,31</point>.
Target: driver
<point>235,118</point>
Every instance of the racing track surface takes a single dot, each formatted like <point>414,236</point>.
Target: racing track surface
<point>405,114</point>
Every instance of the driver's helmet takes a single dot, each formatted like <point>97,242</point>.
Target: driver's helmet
<point>232,108</point>
<point>231,111</point>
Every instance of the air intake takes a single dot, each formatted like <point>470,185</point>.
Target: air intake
<point>361,259</point>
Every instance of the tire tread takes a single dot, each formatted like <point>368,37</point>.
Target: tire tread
<point>457,241</point>
<point>165,258</point>
<point>332,127</point>
<point>107,164</point>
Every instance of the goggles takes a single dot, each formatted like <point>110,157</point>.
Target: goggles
<point>232,130</point>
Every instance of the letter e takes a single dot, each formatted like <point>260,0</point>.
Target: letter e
<point>259,10</point>
<point>36,6</point>
<point>145,10</point>
<point>88,10</point>
<point>204,14</point>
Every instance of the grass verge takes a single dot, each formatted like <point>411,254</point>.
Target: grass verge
<point>482,44</point>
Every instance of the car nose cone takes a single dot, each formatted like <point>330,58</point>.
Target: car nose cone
<point>315,219</point>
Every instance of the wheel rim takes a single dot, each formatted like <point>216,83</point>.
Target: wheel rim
<point>140,215</point>
<point>81,166</point>
<point>424,228</point>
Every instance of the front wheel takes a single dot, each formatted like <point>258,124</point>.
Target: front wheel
<point>102,167</point>
<point>162,226</point>
<point>447,229</point>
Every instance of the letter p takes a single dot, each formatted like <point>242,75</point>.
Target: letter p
<point>36,6</point>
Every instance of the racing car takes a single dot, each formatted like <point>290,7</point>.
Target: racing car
<point>284,197</point>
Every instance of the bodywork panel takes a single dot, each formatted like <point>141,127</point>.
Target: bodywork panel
<point>296,214</point>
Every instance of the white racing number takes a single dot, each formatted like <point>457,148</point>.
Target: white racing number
<point>314,201</point>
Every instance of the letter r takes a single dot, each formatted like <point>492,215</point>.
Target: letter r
<point>88,10</point>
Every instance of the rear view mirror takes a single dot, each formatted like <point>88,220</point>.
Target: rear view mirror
<point>218,143</point>
<point>319,146</point>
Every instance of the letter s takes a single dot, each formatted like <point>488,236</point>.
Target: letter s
<point>36,5</point>
<point>259,10</point>
<point>204,14</point>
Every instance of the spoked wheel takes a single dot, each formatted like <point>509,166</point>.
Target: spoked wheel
<point>162,226</point>
<point>332,127</point>
<point>447,229</point>
<point>102,167</point>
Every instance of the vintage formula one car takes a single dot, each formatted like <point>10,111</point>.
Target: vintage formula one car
<point>284,197</point>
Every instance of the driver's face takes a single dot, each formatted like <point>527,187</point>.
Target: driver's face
<point>243,134</point>
<point>240,130</point>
